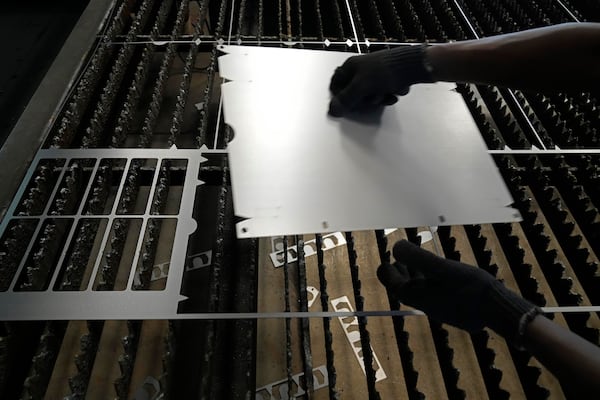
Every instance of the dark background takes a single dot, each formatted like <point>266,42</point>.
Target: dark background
<point>32,33</point>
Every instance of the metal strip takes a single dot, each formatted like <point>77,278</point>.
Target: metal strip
<point>516,102</point>
<point>219,114</point>
<point>35,234</point>
<point>571,309</point>
<point>543,152</point>
<point>220,110</point>
<point>140,240</point>
<point>326,43</point>
<point>352,331</point>
<point>300,314</point>
<point>231,21</point>
<point>353,26</point>
<point>342,314</point>
<point>90,184</point>
<point>99,216</point>
<point>170,153</point>
<point>283,387</point>
<point>529,124</point>
<point>567,10</point>
<point>39,224</point>
<point>466,19</point>
<point>108,227</point>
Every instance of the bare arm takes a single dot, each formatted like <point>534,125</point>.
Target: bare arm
<point>559,57</point>
<point>574,361</point>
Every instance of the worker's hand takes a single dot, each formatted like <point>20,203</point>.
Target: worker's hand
<point>452,292</point>
<point>370,81</point>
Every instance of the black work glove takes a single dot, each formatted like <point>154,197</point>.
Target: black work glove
<point>455,293</point>
<point>367,82</point>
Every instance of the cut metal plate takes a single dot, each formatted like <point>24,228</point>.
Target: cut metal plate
<point>89,300</point>
<point>296,170</point>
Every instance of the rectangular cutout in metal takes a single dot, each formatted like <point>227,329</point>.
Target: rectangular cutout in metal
<point>139,180</point>
<point>40,187</point>
<point>93,248</point>
<point>101,195</point>
<point>157,243</point>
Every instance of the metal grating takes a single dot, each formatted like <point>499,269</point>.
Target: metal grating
<point>107,211</point>
<point>151,82</point>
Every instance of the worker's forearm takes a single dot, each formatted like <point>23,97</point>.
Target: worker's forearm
<point>560,57</point>
<point>573,360</point>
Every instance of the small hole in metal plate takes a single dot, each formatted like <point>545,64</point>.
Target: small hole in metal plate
<point>442,218</point>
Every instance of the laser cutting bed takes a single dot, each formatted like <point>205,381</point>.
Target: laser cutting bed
<point>118,252</point>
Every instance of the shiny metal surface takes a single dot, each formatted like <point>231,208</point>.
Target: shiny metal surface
<point>92,302</point>
<point>297,170</point>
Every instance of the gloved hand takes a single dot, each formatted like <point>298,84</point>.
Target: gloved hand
<point>373,80</point>
<point>455,293</point>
